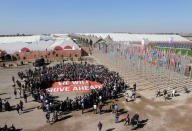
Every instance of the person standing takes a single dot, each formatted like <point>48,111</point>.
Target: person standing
<point>15,93</point>
<point>158,93</point>
<point>13,79</point>
<point>100,98</point>
<point>134,87</point>
<point>133,94</point>
<point>127,97</point>
<point>173,93</point>
<point>166,96</point>
<point>17,108</point>
<point>12,128</point>
<point>82,107</point>
<point>127,120</point>
<point>116,117</point>
<point>165,92</point>
<point>1,105</point>
<point>113,108</point>
<point>99,126</point>
<point>95,108</point>
<point>100,108</point>
<point>116,108</point>
<point>21,105</point>
<point>47,117</point>
<point>25,97</point>
<point>19,92</point>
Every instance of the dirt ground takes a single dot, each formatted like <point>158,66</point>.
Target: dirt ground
<point>156,114</point>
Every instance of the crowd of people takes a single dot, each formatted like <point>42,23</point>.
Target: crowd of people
<point>174,92</point>
<point>35,82</point>
<point>38,80</point>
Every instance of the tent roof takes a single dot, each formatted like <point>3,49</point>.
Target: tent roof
<point>58,48</point>
<point>41,45</point>
<point>138,37</point>
<point>20,39</point>
<point>24,49</point>
<point>67,47</point>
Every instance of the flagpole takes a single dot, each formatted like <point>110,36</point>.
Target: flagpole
<point>189,79</point>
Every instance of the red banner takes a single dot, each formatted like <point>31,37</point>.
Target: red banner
<point>68,83</point>
<point>70,86</point>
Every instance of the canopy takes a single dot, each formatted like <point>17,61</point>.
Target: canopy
<point>25,49</point>
<point>67,47</point>
<point>58,48</point>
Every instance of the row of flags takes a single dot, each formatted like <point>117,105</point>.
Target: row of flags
<point>154,57</point>
<point>141,56</point>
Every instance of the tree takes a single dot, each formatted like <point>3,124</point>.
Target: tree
<point>13,58</point>
<point>18,57</point>
<point>54,52</point>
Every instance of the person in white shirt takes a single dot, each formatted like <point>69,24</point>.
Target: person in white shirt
<point>158,93</point>
<point>95,108</point>
<point>100,98</point>
<point>116,108</point>
<point>127,97</point>
<point>173,92</point>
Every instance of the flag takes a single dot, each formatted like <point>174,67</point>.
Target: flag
<point>89,85</point>
<point>169,64</point>
<point>144,59</point>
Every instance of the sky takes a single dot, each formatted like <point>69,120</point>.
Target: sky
<point>82,16</point>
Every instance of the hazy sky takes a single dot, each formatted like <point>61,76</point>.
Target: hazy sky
<point>63,16</point>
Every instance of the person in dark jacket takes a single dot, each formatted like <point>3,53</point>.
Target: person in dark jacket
<point>17,108</point>
<point>25,97</point>
<point>1,105</point>
<point>99,126</point>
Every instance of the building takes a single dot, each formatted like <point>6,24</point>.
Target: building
<point>14,44</point>
<point>141,39</point>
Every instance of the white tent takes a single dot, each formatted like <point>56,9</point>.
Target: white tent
<point>33,43</point>
<point>138,37</point>
<point>27,39</point>
<point>63,43</point>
